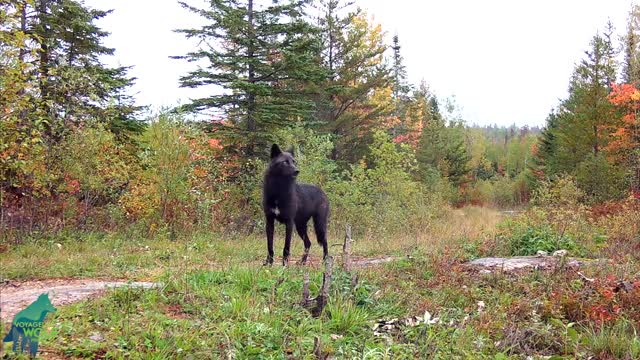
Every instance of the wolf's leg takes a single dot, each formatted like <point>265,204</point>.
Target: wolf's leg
<point>269,229</point>
<point>301,227</point>
<point>287,242</point>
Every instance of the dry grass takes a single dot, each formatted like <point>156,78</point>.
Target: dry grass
<point>454,226</point>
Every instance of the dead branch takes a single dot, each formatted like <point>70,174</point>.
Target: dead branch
<point>275,288</point>
<point>305,289</point>
<point>354,281</point>
<point>346,249</point>
<point>317,349</point>
<point>316,305</point>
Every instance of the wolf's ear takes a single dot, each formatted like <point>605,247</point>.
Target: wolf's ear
<point>275,151</point>
<point>290,151</point>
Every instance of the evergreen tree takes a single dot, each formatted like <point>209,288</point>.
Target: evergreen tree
<point>21,126</point>
<point>581,125</point>
<point>631,63</point>
<point>353,54</point>
<point>543,162</point>
<point>443,147</point>
<point>400,88</point>
<point>265,58</point>
<point>74,86</point>
<point>51,81</point>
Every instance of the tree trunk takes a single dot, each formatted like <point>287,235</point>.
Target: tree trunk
<point>251,98</point>
<point>595,144</point>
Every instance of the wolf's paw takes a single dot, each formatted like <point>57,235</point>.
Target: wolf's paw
<point>268,261</point>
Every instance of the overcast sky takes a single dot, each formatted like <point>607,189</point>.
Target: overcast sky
<point>505,61</point>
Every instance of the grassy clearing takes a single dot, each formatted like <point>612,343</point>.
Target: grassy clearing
<point>136,257</point>
<point>217,302</point>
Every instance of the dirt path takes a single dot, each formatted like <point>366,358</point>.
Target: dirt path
<point>15,296</point>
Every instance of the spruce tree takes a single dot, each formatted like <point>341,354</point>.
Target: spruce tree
<point>74,85</point>
<point>400,87</point>
<point>584,118</point>
<point>631,62</point>
<point>353,55</point>
<point>442,148</point>
<point>265,59</point>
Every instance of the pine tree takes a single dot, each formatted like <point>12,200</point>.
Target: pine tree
<point>401,89</point>
<point>21,125</point>
<point>631,63</point>
<point>74,86</point>
<point>265,58</point>
<point>544,158</point>
<point>443,147</point>
<point>400,86</point>
<point>584,125</point>
<point>584,119</point>
<point>353,54</point>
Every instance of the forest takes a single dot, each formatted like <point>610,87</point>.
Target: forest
<point>94,185</point>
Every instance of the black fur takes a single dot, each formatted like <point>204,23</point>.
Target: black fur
<point>292,204</point>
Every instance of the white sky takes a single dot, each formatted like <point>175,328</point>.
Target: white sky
<point>506,61</point>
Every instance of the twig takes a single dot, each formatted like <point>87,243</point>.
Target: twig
<point>275,288</point>
<point>317,348</point>
<point>305,289</point>
<point>346,249</point>
<point>323,298</point>
<point>316,305</point>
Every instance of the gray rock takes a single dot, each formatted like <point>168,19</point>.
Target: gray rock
<point>560,253</point>
<point>96,336</point>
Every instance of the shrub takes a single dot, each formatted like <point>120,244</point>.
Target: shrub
<point>502,191</point>
<point>96,169</point>
<point>530,240</point>
<point>600,180</point>
<point>560,192</point>
<point>380,194</point>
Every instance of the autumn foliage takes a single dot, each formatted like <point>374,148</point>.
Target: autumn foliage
<point>624,147</point>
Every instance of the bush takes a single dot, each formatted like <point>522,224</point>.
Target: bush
<point>600,180</point>
<point>95,168</point>
<point>379,194</point>
<point>502,192</point>
<point>312,152</point>
<point>529,240</point>
<point>180,180</point>
<point>559,192</point>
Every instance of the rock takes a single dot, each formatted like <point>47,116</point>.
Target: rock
<point>96,336</point>
<point>519,263</point>
<point>542,253</point>
<point>560,253</point>
<point>481,306</point>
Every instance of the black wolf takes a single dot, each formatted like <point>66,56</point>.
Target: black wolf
<point>292,205</point>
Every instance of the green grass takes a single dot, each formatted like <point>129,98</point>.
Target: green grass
<point>218,302</point>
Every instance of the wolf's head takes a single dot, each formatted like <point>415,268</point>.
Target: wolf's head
<point>283,163</point>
